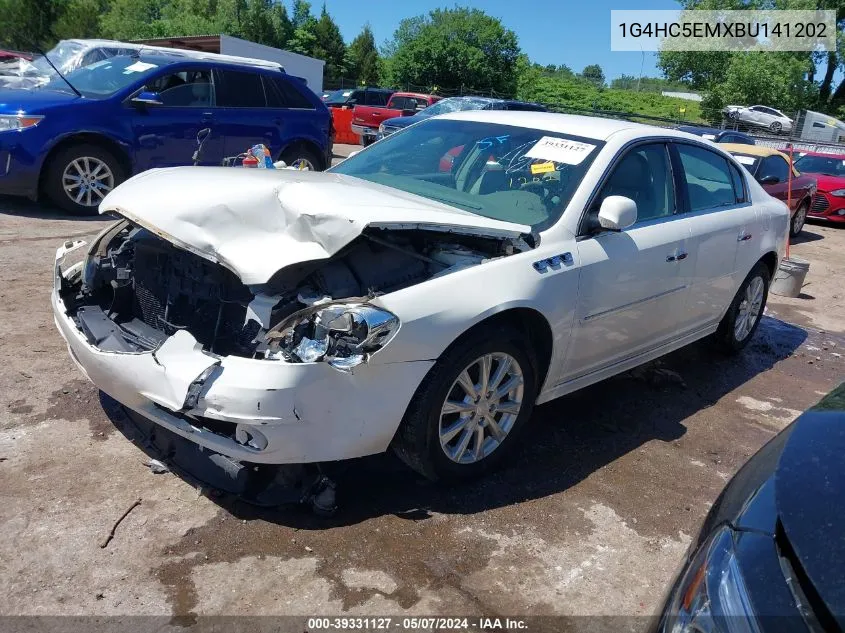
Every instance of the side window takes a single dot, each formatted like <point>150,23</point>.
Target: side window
<point>708,178</point>
<point>187,88</point>
<point>644,175</point>
<point>739,184</point>
<point>399,103</point>
<point>383,98</point>
<point>281,94</point>
<point>774,166</point>
<point>238,89</point>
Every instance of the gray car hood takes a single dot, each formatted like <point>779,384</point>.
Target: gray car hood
<point>258,221</point>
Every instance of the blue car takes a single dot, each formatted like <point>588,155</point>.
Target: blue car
<point>716,135</point>
<point>455,104</point>
<point>73,140</point>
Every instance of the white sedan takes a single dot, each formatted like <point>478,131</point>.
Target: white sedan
<point>422,295</point>
<point>760,116</point>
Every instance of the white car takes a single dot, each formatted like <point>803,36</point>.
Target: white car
<point>760,116</point>
<point>424,294</point>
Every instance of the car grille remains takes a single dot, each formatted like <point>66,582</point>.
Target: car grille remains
<point>174,289</point>
<point>820,204</point>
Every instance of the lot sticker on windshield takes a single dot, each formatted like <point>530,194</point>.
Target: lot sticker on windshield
<point>745,160</point>
<point>542,168</point>
<point>560,150</point>
<point>138,67</point>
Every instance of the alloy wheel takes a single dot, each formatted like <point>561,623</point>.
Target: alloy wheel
<point>799,219</point>
<point>481,408</point>
<point>86,180</point>
<point>748,311</point>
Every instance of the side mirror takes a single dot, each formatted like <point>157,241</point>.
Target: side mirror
<point>617,213</point>
<point>769,180</point>
<point>147,98</point>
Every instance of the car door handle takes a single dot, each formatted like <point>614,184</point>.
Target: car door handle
<point>207,116</point>
<point>743,237</point>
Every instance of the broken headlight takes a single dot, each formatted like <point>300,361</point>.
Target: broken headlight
<point>341,334</point>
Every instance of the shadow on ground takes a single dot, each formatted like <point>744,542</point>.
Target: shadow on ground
<point>806,236</point>
<point>42,210</point>
<point>566,440</point>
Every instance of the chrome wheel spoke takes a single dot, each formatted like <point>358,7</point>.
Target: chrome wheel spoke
<point>467,384</point>
<point>461,448</point>
<point>509,407</point>
<point>496,430</point>
<point>505,389</point>
<point>484,367</point>
<point>453,406</point>
<point>478,414</point>
<point>449,433</point>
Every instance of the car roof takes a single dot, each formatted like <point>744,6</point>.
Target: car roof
<point>597,128</point>
<point>155,57</point>
<point>824,155</point>
<point>752,150</point>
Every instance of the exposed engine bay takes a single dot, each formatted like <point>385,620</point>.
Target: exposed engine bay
<point>137,289</point>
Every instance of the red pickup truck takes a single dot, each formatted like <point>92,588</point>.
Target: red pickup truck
<point>366,119</point>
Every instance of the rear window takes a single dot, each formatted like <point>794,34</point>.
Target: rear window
<point>282,94</point>
<point>237,89</point>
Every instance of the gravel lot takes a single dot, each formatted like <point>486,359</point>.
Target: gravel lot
<point>593,516</point>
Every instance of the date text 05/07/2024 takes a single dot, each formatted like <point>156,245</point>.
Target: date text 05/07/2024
<point>413,623</point>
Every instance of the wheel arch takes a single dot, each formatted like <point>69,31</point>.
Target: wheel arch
<point>770,259</point>
<point>92,138</point>
<point>527,320</point>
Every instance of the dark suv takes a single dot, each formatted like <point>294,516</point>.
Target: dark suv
<point>76,140</point>
<point>350,97</point>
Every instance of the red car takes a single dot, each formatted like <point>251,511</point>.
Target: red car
<point>829,170</point>
<point>771,169</point>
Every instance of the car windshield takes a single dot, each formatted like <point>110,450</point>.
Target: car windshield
<point>103,78</point>
<point>62,55</point>
<point>456,104</point>
<point>504,172</point>
<point>746,160</point>
<point>826,165</point>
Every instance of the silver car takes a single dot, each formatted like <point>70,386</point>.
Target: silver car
<point>760,116</point>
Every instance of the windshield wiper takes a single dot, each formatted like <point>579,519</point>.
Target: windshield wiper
<point>58,72</point>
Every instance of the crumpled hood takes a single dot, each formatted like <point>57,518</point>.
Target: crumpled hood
<point>257,221</point>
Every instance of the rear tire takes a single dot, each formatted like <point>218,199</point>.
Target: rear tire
<point>798,219</point>
<point>78,177</point>
<point>430,437</point>
<point>303,158</point>
<point>776,126</point>
<point>743,316</point>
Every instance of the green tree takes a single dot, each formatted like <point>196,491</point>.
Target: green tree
<point>133,19</point>
<point>776,79</point>
<point>594,74</point>
<point>257,24</point>
<point>304,39</point>
<point>282,25</point>
<point>79,18</point>
<point>454,48</point>
<point>28,24</point>
<point>330,46</point>
<point>363,59</point>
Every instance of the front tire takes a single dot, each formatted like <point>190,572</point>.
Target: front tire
<point>798,219</point>
<point>743,316</point>
<point>776,126</point>
<point>79,177</point>
<point>466,415</point>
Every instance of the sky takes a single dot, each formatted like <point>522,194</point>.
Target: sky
<point>575,33</point>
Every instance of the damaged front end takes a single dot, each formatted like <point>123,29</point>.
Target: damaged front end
<point>136,289</point>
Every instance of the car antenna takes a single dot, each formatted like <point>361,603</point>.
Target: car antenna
<point>58,72</point>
